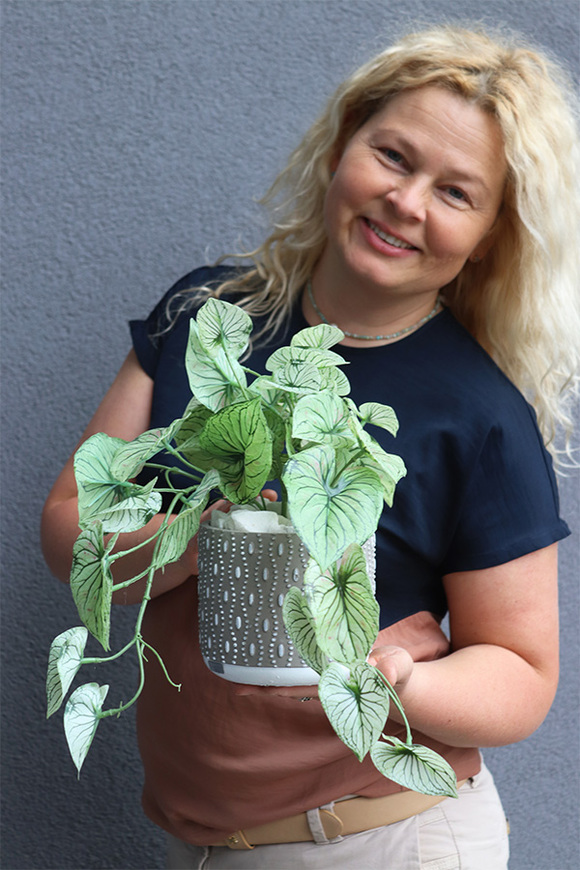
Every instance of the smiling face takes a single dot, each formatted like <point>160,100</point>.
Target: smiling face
<point>416,192</point>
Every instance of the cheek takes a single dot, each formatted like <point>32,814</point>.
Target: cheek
<point>453,238</point>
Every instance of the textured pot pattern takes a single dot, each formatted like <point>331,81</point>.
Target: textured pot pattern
<point>243,579</point>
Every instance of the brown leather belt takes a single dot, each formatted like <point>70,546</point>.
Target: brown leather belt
<point>350,816</point>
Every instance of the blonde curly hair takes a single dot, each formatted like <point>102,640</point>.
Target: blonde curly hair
<point>521,301</point>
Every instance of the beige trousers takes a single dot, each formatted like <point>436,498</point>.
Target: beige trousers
<point>467,833</point>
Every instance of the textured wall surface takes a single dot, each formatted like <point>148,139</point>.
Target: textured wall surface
<point>135,135</point>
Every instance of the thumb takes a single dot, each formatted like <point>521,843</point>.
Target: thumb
<point>394,662</point>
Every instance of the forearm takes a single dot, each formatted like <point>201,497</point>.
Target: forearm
<point>482,695</point>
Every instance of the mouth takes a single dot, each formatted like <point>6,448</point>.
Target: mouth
<point>395,241</point>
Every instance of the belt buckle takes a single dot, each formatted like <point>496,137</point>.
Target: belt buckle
<point>237,841</point>
<point>331,824</point>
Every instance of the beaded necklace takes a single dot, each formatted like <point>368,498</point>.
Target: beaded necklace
<point>389,337</point>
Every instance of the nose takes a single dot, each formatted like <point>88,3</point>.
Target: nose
<point>409,198</point>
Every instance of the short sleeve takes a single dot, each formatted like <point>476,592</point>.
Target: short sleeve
<point>149,335</point>
<point>511,504</point>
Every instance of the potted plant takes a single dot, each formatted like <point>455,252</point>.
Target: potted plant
<point>297,425</point>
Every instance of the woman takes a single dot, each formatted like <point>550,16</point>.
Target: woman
<point>429,212</point>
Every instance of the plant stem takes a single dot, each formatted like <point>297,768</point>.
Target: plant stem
<point>284,500</point>
<point>162,664</point>
<point>111,658</point>
<point>395,698</point>
<point>182,471</point>
<point>116,711</point>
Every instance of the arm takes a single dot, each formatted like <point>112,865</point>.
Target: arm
<point>123,413</point>
<point>499,681</point>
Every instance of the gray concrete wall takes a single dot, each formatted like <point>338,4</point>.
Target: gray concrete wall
<point>135,135</point>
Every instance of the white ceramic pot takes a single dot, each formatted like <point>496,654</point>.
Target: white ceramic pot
<point>243,579</point>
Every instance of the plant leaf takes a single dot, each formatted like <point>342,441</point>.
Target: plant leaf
<point>343,607</point>
<point>335,380</point>
<point>97,487</point>
<point>300,628</point>
<point>324,335</point>
<point>240,440</point>
<point>264,386</point>
<point>293,355</point>
<point>215,380</point>
<point>131,455</point>
<point>178,534</point>
<point>278,433</point>
<point>357,706</point>
<point>223,326</point>
<point>187,438</point>
<point>415,767</point>
<point>299,377</point>
<point>91,583</point>
<point>321,418</point>
<point>133,512</point>
<point>192,425</point>
<point>64,660</point>
<point>331,508</point>
<point>389,467</point>
<point>81,717</point>
<point>379,415</point>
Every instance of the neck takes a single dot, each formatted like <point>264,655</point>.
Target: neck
<point>390,321</point>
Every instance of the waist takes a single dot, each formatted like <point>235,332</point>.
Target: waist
<point>350,816</point>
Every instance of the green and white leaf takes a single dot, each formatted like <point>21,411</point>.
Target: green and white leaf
<point>187,437</point>
<point>64,660</point>
<point>277,429</point>
<point>91,583</point>
<point>299,377</point>
<point>130,457</point>
<point>193,406</point>
<point>241,441</point>
<point>300,628</point>
<point>133,512</point>
<point>334,379</point>
<point>379,415</point>
<point>324,336</point>
<point>343,607</point>
<point>176,537</point>
<point>223,326</point>
<point>97,487</point>
<point>321,418</point>
<point>331,506</point>
<point>357,705</point>
<point>292,355</point>
<point>216,380</point>
<point>264,387</point>
<point>415,767</point>
<point>81,717</point>
<point>389,467</point>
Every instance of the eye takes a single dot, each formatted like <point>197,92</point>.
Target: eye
<point>393,155</point>
<point>456,193</point>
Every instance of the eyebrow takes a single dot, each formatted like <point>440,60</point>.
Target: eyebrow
<point>460,175</point>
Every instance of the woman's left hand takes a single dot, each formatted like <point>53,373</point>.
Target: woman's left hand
<point>393,661</point>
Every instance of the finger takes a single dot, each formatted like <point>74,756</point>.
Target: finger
<point>394,663</point>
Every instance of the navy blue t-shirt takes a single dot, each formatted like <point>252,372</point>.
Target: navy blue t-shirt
<point>479,490</point>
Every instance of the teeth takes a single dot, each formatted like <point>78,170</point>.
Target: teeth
<point>397,243</point>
